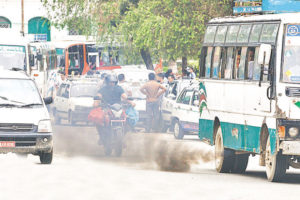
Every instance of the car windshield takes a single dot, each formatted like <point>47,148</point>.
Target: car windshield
<point>84,90</point>
<point>12,57</point>
<point>18,92</point>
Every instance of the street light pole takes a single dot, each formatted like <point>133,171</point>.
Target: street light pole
<point>22,11</point>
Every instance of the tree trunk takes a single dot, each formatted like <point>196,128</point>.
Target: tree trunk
<point>184,65</point>
<point>147,58</point>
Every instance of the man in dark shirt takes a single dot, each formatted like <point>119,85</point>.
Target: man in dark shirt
<point>112,93</point>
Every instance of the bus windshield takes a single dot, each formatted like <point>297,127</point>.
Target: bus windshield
<point>12,56</point>
<point>291,66</point>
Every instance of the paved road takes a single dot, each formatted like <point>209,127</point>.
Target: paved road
<point>154,166</point>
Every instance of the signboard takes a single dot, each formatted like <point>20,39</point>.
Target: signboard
<point>40,37</point>
<point>281,6</point>
<point>292,35</point>
<point>12,49</point>
<point>247,6</point>
<point>247,9</point>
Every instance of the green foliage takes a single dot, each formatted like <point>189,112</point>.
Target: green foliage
<point>170,29</point>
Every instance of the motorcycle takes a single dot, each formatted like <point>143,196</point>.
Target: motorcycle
<point>114,128</point>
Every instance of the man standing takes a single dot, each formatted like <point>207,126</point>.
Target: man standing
<point>153,90</point>
<point>124,85</point>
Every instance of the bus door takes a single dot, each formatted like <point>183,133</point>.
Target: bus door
<point>256,96</point>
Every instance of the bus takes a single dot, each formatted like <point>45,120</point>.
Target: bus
<point>44,63</point>
<point>71,56</point>
<point>250,92</point>
<point>81,56</point>
<point>14,51</point>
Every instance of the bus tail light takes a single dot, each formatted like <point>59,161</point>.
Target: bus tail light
<point>35,75</point>
<point>281,131</point>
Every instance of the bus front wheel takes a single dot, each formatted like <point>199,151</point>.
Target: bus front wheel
<point>224,158</point>
<point>276,164</point>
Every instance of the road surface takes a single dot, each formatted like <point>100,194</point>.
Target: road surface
<point>154,166</point>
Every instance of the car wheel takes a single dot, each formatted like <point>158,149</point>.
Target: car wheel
<point>276,164</point>
<point>178,132</point>
<point>224,158</point>
<point>46,158</point>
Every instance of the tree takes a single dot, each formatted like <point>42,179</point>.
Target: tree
<point>169,28</point>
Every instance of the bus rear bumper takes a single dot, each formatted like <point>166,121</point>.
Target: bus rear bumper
<point>290,147</point>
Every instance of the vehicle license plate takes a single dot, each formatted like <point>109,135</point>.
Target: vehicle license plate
<point>7,144</point>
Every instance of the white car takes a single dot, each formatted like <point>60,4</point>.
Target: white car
<point>25,125</point>
<point>74,101</point>
<point>169,100</point>
<point>181,113</point>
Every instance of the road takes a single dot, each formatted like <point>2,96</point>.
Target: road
<point>154,166</point>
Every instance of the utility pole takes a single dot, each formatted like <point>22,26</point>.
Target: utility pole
<point>22,11</point>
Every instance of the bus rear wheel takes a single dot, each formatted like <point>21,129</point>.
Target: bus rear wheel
<point>276,164</point>
<point>224,158</point>
<point>240,163</point>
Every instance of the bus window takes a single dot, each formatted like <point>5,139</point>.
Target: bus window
<point>241,66</point>
<point>255,33</point>
<point>232,33</point>
<point>244,34</point>
<point>223,63</point>
<point>210,34</point>
<point>208,62</point>
<point>250,63</point>
<point>238,51</point>
<point>216,62</point>
<point>269,33</point>
<point>256,71</point>
<point>229,63</point>
<point>221,33</point>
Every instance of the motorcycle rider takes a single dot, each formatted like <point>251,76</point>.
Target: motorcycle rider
<point>111,93</point>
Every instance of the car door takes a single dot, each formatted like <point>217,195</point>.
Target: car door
<point>167,105</point>
<point>182,107</point>
<point>65,101</point>
<point>194,112</point>
<point>58,99</point>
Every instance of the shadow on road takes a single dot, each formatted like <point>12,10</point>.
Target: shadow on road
<point>290,177</point>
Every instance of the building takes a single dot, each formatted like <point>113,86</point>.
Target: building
<point>265,6</point>
<point>37,26</point>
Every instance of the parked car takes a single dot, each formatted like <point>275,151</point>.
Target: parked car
<point>74,101</point>
<point>25,125</point>
<point>169,100</point>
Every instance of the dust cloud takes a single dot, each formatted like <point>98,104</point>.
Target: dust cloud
<point>151,151</point>
<point>167,153</point>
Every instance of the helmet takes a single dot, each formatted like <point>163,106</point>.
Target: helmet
<point>111,79</point>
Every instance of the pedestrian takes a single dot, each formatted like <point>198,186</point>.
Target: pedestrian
<point>153,90</point>
<point>168,73</point>
<point>192,74</point>
<point>172,86</point>
<point>160,78</point>
<point>101,82</point>
<point>124,85</point>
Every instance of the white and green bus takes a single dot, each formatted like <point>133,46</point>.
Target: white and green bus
<point>250,92</point>
<point>14,51</point>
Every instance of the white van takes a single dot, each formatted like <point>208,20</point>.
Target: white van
<point>25,125</point>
